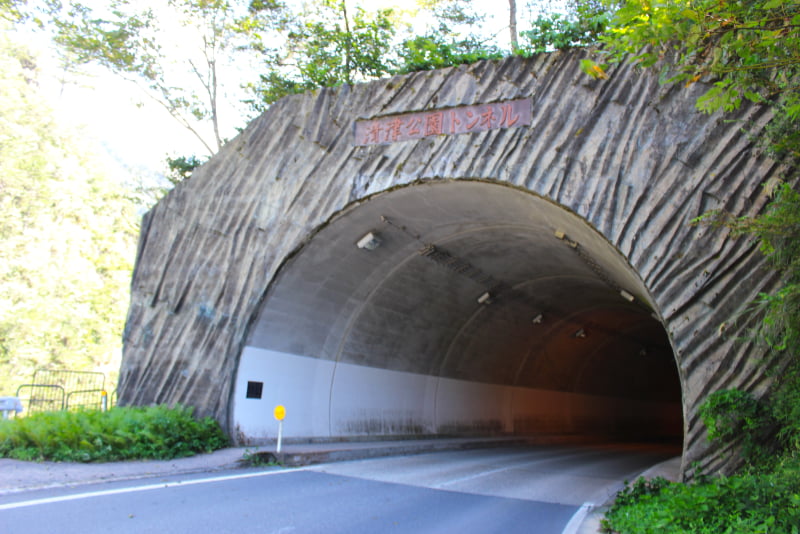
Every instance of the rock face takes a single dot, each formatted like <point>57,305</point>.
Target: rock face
<point>631,159</point>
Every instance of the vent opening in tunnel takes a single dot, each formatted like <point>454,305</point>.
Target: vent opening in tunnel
<point>459,308</point>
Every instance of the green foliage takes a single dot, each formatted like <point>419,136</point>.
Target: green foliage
<point>256,458</point>
<point>67,238</point>
<point>182,167</point>
<point>10,10</point>
<point>325,46</point>
<point>130,41</point>
<point>433,52</point>
<point>453,40</point>
<point>746,50</point>
<point>331,52</point>
<point>583,26</point>
<point>642,489</point>
<point>456,21</point>
<point>118,42</point>
<point>273,86</point>
<point>778,232</point>
<point>742,504</point>
<point>734,416</point>
<point>19,11</point>
<point>156,432</point>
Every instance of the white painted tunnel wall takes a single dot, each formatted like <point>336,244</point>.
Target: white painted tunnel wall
<point>302,385</point>
<point>325,399</point>
<point>371,401</point>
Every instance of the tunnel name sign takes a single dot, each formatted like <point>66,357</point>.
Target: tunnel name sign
<point>452,121</point>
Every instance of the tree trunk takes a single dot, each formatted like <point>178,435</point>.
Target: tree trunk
<point>512,23</point>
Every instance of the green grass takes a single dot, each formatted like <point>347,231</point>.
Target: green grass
<point>123,433</point>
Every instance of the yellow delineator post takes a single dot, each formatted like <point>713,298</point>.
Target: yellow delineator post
<point>280,414</point>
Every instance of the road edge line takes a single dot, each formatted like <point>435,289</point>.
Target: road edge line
<point>148,487</point>
<point>577,518</point>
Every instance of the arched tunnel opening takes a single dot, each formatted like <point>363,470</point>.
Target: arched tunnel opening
<point>454,308</point>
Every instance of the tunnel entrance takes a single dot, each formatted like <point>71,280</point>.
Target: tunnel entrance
<point>458,308</point>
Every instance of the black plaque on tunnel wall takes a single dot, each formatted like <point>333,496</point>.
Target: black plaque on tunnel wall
<point>254,390</point>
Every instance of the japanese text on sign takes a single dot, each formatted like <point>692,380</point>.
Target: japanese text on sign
<point>467,119</point>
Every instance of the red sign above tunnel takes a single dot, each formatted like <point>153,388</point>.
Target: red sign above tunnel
<point>467,119</point>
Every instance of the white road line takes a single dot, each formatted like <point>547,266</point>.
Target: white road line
<point>133,489</point>
<point>577,518</point>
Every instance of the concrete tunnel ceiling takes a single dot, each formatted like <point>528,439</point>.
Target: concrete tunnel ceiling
<point>559,314</point>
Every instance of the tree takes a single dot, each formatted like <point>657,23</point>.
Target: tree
<point>512,24</point>
<point>458,23</point>
<point>455,38</point>
<point>138,44</point>
<point>9,10</point>
<point>325,45</point>
<point>581,25</point>
<point>67,238</point>
<point>747,50</point>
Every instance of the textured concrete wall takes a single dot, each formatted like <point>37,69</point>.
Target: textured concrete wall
<point>630,157</point>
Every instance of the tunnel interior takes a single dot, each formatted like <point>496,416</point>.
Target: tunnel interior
<point>457,308</point>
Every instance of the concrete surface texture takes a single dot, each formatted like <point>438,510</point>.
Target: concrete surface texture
<point>534,275</point>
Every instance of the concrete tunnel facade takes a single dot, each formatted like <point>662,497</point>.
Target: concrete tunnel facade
<point>365,258</point>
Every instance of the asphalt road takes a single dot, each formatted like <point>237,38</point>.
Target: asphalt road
<point>532,490</point>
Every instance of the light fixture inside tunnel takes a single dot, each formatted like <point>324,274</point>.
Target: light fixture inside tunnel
<point>370,241</point>
<point>580,334</point>
<point>538,319</point>
<point>486,298</point>
<point>563,237</point>
<point>627,296</point>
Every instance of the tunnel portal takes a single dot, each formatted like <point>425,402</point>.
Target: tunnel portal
<point>501,247</point>
<point>453,308</point>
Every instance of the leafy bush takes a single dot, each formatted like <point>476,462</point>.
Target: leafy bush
<point>740,504</point>
<point>734,416</point>
<point>430,52</point>
<point>560,32</point>
<point>123,433</point>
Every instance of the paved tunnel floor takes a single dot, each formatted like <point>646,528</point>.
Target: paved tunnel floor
<point>557,474</point>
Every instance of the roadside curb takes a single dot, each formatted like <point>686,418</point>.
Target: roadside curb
<point>669,469</point>
<point>337,452</point>
<point>21,476</point>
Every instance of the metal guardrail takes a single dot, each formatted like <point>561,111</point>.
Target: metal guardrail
<point>65,390</point>
<point>70,380</point>
<point>88,398</point>
<point>42,397</point>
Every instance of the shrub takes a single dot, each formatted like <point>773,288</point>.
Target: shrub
<point>735,416</point>
<point>740,504</point>
<point>122,433</point>
<point>433,52</point>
